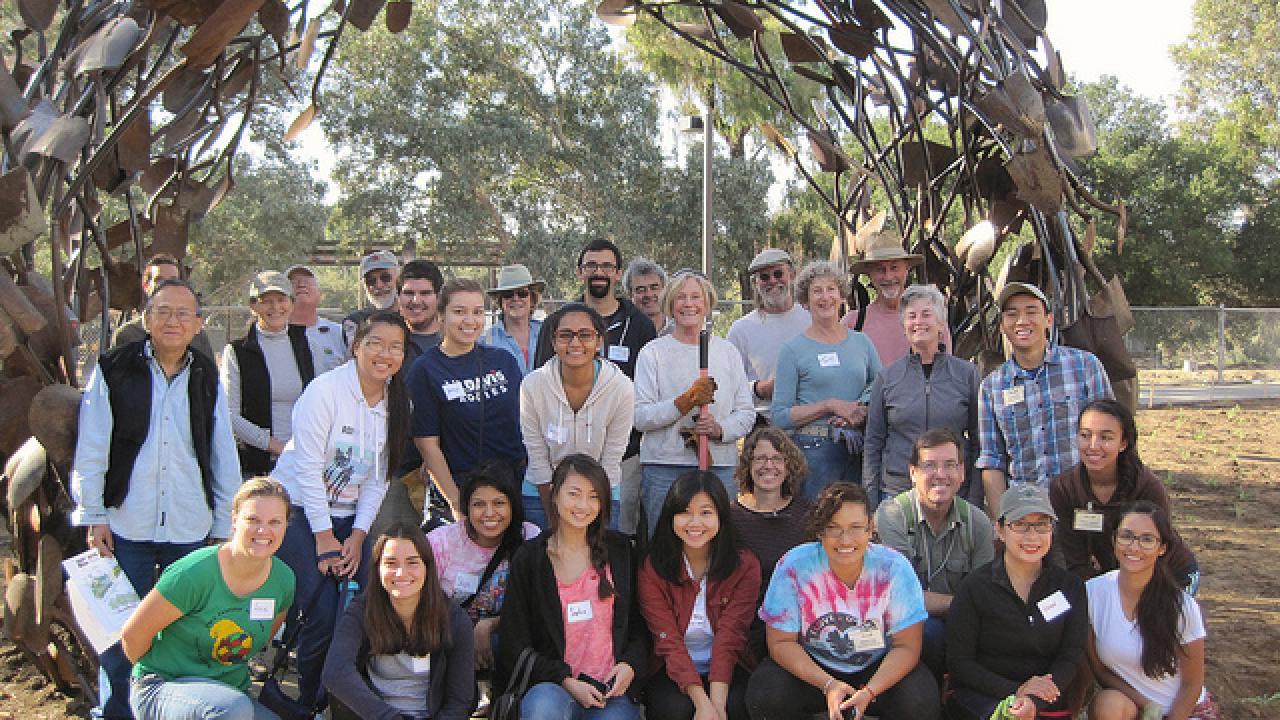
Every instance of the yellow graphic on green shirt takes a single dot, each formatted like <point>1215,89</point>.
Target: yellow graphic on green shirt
<point>231,644</point>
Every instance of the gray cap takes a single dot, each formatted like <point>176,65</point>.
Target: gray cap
<point>767,257</point>
<point>269,281</point>
<point>1017,288</point>
<point>378,260</point>
<point>1020,501</point>
<point>299,269</point>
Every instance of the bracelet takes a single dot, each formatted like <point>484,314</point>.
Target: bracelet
<point>827,686</point>
<point>870,692</point>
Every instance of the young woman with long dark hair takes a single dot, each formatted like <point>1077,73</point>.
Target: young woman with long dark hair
<point>698,590</point>
<point>1146,634</point>
<point>354,423</point>
<point>1089,497</point>
<point>473,556</point>
<point>571,599</point>
<point>410,647</point>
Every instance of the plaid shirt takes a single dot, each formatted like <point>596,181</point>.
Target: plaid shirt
<point>1027,419</point>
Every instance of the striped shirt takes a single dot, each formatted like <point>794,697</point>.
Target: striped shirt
<point>1027,419</point>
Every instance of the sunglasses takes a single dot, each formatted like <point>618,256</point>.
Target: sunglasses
<point>521,293</point>
<point>776,274</point>
<point>372,278</point>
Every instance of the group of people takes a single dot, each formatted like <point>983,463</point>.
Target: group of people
<point>832,515</point>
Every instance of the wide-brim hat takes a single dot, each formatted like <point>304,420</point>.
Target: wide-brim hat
<point>269,281</point>
<point>511,277</point>
<point>885,245</point>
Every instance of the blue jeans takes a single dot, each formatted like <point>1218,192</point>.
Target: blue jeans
<point>549,701</point>
<point>829,462</point>
<point>536,514</point>
<point>193,698</point>
<point>139,562</point>
<point>658,479</point>
<point>298,551</point>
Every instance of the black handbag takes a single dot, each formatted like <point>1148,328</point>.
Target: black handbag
<point>507,705</point>
<point>272,696</point>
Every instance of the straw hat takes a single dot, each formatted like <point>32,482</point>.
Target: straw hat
<point>885,245</point>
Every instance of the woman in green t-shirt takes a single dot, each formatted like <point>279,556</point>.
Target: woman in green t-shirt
<point>192,635</point>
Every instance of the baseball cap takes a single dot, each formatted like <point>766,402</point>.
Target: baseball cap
<point>269,281</point>
<point>767,257</point>
<point>299,269</point>
<point>1020,501</point>
<point>378,260</point>
<point>1018,288</point>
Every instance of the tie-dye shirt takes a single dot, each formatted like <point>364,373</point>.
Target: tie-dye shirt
<point>833,619</point>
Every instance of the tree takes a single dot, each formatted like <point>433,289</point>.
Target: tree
<point>496,128</point>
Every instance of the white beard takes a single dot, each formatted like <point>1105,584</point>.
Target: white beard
<point>384,302</point>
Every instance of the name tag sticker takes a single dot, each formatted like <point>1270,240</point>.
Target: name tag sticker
<point>262,608</point>
<point>466,584</point>
<point>1053,606</point>
<point>619,353</point>
<point>579,611</point>
<point>421,665</point>
<point>867,637</point>
<point>453,390</point>
<point>829,359</point>
<point>557,434</point>
<point>1014,395</point>
<point>1086,521</point>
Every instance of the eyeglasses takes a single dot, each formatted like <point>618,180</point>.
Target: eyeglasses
<point>768,460</point>
<point>521,293</point>
<point>377,346</point>
<point>372,278</point>
<point>593,267</point>
<point>1022,527</point>
<point>932,466</point>
<point>586,337</point>
<point>1125,538</point>
<point>164,314</point>
<point>835,532</point>
<point>776,274</point>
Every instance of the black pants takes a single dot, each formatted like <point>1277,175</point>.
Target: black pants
<point>664,701</point>
<point>966,704</point>
<point>775,694</point>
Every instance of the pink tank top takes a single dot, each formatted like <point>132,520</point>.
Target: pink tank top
<point>588,625</point>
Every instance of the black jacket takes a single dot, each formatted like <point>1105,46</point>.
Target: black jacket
<point>255,388</point>
<point>531,615</point>
<point>995,641</point>
<point>451,689</point>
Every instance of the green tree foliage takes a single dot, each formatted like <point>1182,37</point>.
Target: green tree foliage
<point>500,128</point>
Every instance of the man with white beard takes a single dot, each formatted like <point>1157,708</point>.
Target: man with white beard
<point>887,265</point>
<point>777,318</point>
<point>380,271</point>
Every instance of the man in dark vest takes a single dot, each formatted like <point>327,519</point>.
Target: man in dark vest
<point>155,466</point>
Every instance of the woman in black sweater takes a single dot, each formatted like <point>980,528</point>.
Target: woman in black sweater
<point>571,599</point>
<point>1017,627</point>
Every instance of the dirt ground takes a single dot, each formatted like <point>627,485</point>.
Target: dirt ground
<point>1222,468</point>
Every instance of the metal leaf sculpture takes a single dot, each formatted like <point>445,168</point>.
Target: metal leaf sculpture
<point>951,111</point>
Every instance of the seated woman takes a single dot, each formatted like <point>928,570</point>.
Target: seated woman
<point>1146,639</point>
<point>473,556</point>
<point>401,650</point>
<point>576,402</point>
<point>1090,496</point>
<point>571,599</point>
<point>844,622</point>
<point>698,591</point>
<point>191,637</point>
<point>768,513</point>
<point>1017,626</point>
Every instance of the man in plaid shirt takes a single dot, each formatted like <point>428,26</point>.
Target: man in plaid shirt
<point>1029,408</point>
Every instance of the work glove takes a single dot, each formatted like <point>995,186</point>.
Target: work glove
<point>701,392</point>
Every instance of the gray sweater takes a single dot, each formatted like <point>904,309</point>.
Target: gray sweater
<point>904,404</point>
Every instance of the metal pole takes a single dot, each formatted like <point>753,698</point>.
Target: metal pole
<point>1222,340</point>
<point>708,150</point>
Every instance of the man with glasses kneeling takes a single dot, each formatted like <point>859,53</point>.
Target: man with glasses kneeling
<point>944,536</point>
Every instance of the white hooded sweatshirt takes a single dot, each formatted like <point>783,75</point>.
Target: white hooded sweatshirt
<point>336,462</point>
<point>553,430</point>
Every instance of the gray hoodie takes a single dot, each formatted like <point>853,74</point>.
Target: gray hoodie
<point>553,430</point>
